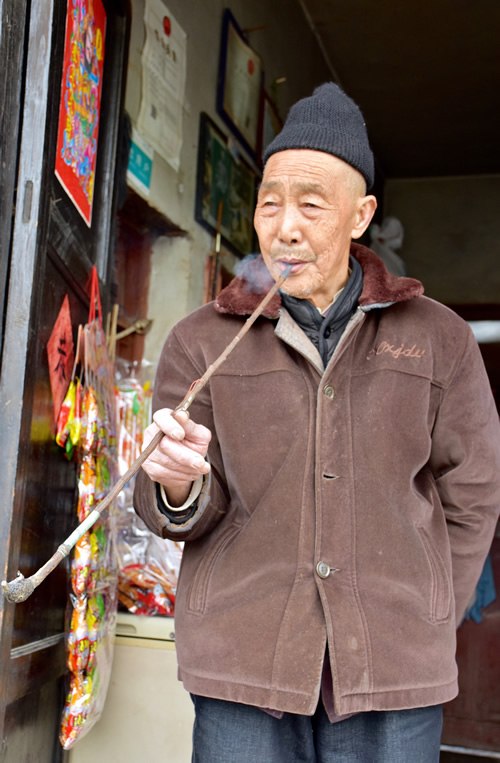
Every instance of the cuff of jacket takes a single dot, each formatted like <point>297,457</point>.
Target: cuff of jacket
<point>179,514</point>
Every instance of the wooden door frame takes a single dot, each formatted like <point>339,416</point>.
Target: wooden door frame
<point>12,32</point>
<point>20,292</point>
<point>22,240</point>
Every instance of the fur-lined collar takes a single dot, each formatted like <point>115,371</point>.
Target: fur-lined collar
<point>380,287</point>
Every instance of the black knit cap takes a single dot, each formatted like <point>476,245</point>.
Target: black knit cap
<point>328,121</point>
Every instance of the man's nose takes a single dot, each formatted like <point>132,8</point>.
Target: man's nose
<point>289,225</point>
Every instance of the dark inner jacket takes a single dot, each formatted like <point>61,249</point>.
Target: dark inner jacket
<point>325,330</point>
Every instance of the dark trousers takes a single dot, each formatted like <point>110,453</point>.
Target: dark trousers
<point>228,732</point>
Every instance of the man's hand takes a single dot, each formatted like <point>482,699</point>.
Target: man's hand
<point>179,459</point>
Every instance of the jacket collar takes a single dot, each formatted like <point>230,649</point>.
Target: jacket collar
<point>380,287</point>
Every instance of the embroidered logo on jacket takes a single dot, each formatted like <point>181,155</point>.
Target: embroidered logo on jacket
<point>397,351</point>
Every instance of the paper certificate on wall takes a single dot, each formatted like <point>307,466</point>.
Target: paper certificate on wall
<point>163,82</point>
<point>80,102</point>
<point>239,86</point>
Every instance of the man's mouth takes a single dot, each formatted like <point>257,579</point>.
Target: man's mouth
<point>292,265</point>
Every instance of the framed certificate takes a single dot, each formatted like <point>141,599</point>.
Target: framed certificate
<point>239,85</point>
<point>270,123</point>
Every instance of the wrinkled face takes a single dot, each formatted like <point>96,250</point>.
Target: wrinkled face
<point>310,205</point>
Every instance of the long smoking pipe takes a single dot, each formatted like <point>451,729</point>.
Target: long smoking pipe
<point>21,588</point>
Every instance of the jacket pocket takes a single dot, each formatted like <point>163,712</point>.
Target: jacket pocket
<point>441,586</point>
<point>197,599</point>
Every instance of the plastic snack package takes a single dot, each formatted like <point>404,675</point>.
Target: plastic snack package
<point>76,709</point>
<point>69,422</point>
<point>66,414</point>
<point>145,590</point>
<point>81,565</point>
<point>77,643</point>
<point>91,650</point>
<point>94,572</point>
<point>149,566</point>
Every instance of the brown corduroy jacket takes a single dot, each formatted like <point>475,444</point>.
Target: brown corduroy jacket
<point>352,505</point>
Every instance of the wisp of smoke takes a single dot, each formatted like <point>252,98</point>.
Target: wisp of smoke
<point>254,272</point>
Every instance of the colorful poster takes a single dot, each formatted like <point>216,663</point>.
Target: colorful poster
<point>81,89</point>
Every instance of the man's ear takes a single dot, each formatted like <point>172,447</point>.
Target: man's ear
<point>366,210</point>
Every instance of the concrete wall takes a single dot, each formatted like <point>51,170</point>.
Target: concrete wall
<point>452,235</point>
<point>287,48</point>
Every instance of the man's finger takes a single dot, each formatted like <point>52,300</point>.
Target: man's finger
<point>169,424</point>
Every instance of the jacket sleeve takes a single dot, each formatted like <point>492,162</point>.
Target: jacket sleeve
<point>177,370</point>
<point>465,461</point>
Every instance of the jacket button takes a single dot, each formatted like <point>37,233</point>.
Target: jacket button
<point>328,391</point>
<point>323,570</point>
